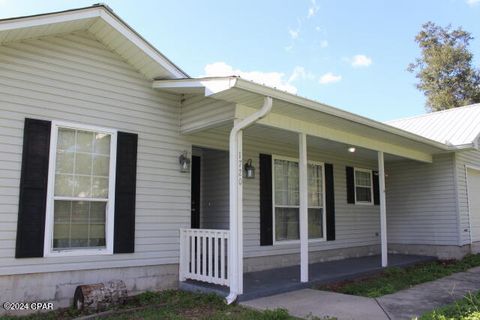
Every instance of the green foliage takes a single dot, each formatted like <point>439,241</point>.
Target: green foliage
<point>466,309</point>
<point>395,279</point>
<point>445,72</point>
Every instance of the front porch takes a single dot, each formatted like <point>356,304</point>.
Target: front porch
<point>320,186</point>
<point>274,281</point>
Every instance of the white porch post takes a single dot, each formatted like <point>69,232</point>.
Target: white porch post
<point>303,191</point>
<point>232,242</point>
<point>235,254</point>
<point>240,213</point>
<point>383,208</point>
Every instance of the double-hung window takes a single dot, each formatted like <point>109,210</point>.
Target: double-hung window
<point>286,200</point>
<point>80,204</point>
<point>363,186</point>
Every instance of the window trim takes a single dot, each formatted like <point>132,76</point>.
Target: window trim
<point>324,217</point>
<point>48,250</point>
<point>365,203</point>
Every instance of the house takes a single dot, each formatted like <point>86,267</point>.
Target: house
<point>116,164</point>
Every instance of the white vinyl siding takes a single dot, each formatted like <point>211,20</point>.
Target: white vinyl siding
<point>462,160</point>
<point>421,202</point>
<point>74,78</point>
<point>200,112</point>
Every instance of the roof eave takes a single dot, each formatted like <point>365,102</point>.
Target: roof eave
<point>239,83</point>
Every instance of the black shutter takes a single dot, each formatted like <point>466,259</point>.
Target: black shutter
<point>350,185</point>
<point>266,209</point>
<point>376,189</point>
<point>330,201</point>
<point>125,190</point>
<point>33,189</point>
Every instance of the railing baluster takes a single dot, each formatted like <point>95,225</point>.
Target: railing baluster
<point>204,253</point>
<point>216,258</point>
<point>222,258</point>
<point>210,254</point>
<point>198,252</point>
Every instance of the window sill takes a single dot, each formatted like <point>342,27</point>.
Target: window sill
<point>287,242</point>
<point>78,252</point>
<point>364,203</point>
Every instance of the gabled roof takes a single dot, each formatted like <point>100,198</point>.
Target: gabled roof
<point>106,26</point>
<point>457,127</point>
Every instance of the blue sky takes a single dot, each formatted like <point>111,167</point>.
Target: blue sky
<point>349,54</point>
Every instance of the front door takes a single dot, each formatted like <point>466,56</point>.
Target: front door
<point>195,209</point>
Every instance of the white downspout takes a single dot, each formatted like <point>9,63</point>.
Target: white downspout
<point>235,245</point>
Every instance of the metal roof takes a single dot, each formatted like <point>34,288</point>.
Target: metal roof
<point>457,127</point>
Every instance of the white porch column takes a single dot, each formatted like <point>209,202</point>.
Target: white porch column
<point>235,254</point>
<point>232,242</point>
<point>383,208</point>
<point>240,213</point>
<point>303,192</point>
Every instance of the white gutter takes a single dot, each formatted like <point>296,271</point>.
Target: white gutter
<point>235,245</point>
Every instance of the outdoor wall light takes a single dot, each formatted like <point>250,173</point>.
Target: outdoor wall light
<point>184,162</point>
<point>351,149</point>
<point>249,170</point>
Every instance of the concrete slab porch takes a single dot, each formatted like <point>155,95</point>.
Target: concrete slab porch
<point>271,282</point>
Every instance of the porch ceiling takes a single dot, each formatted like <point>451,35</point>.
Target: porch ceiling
<point>337,149</point>
<point>279,138</point>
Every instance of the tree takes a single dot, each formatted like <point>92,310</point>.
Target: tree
<point>447,77</point>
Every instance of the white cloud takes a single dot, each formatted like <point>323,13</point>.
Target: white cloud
<point>294,33</point>
<point>473,2</point>
<point>360,60</point>
<point>329,77</point>
<point>323,44</point>
<point>272,79</point>
<point>299,73</point>
<point>312,9</point>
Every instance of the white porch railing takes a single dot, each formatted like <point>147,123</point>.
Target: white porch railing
<point>203,255</point>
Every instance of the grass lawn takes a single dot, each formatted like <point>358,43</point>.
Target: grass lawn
<point>172,304</point>
<point>394,279</point>
<point>466,309</point>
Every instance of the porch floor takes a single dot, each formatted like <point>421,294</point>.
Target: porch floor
<point>269,282</point>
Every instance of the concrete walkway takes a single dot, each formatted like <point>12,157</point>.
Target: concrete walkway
<point>405,304</point>
<point>309,302</point>
<point>422,298</point>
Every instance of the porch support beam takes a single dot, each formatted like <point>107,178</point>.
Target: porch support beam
<point>303,192</point>
<point>337,134</point>
<point>383,208</point>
